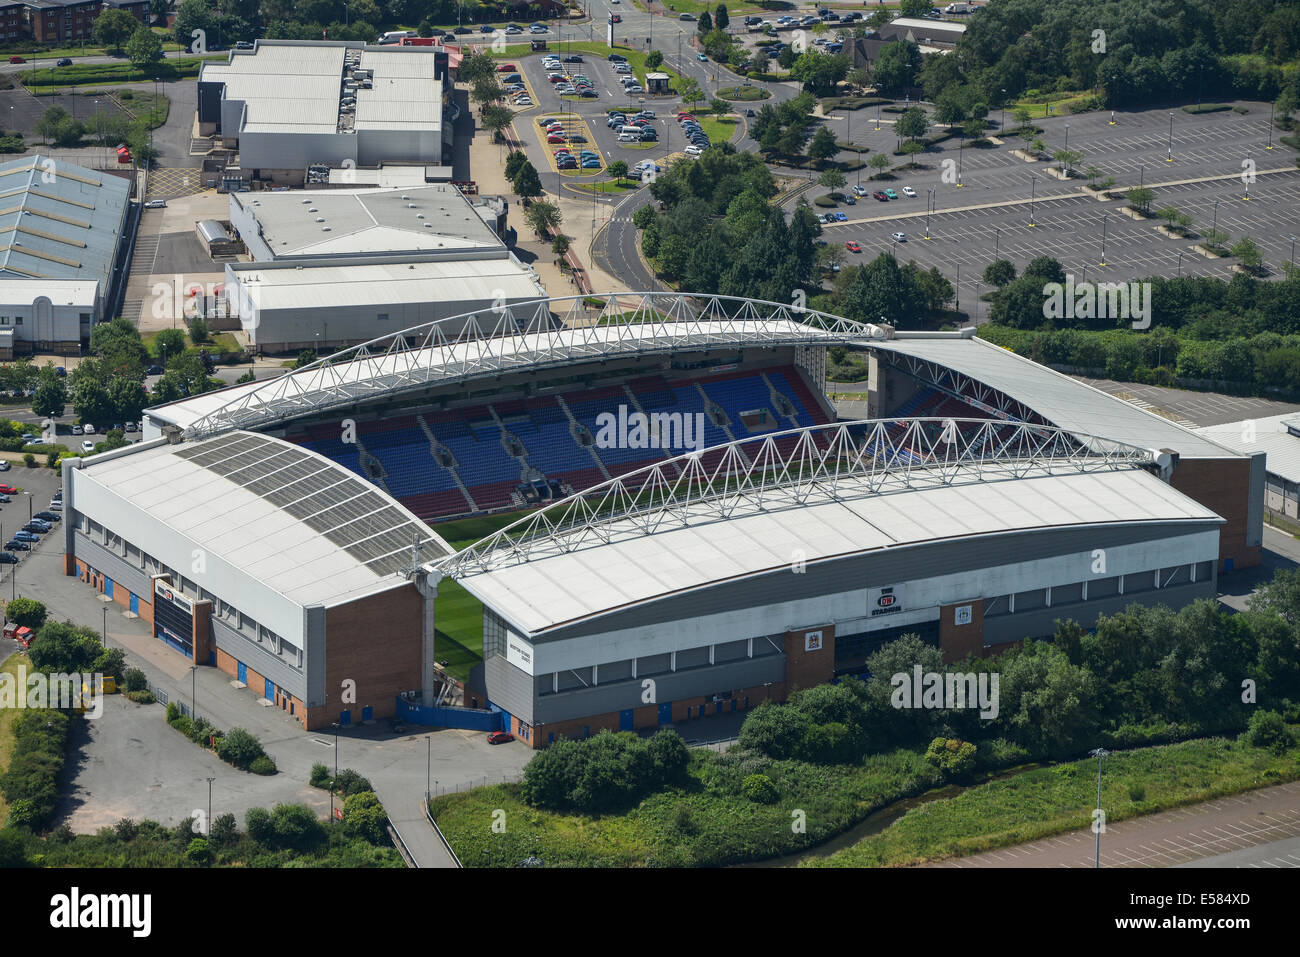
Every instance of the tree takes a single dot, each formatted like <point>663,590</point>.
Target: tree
<point>1139,198</point>
<point>914,8</point>
<point>860,77</point>
<point>239,748</point>
<point>474,67</point>
<point>58,127</point>
<point>486,90</point>
<point>820,72</point>
<point>823,146</point>
<point>544,217</point>
<point>191,15</point>
<point>897,67</point>
<point>51,398</point>
<point>1248,252</point>
<point>1067,159</point>
<point>495,119</point>
<point>833,180</point>
<point>912,123</point>
<point>112,27</point>
<point>705,24</point>
<point>974,128</point>
<point>527,183</point>
<point>515,161</point>
<point>689,90</point>
<point>560,245</point>
<point>879,162</point>
<point>999,272</point>
<point>654,60</point>
<point>144,49</point>
<point>168,344</point>
<point>364,818</point>
<point>27,612</point>
<point>616,170</point>
<point>720,16</point>
<point>108,128</point>
<point>912,148</point>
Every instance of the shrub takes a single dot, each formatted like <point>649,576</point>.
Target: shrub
<point>295,826</point>
<point>349,782</point>
<point>760,789</point>
<point>1137,792</point>
<point>1267,730</point>
<point>141,697</point>
<point>320,776</point>
<point>29,460</point>
<point>27,612</point>
<point>257,821</point>
<point>239,748</point>
<point>199,852</point>
<point>173,711</point>
<point>133,679</point>
<point>223,830</point>
<point>954,758</point>
<point>125,829</point>
<point>262,764</point>
<point>364,817</point>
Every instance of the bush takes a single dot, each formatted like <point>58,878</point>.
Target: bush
<point>239,748</point>
<point>30,784</point>
<point>320,776</point>
<point>29,460</point>
<point>141,697</point>
<point>223,830</point>
<point>295,827</point>
<point>257,821</point>
<point>27,612</point>
<point>1267,730</point>
<point>349,782</point>
<point>760,789</point>
<point>199,852</point>
<point>262,764</point>
<point>125,829</point>
<point>1137,792</point>
<point>173,712</point>
<point>133,679</point>
<point>364,817</point>
<point>594,775</point>
<point>954,758</point>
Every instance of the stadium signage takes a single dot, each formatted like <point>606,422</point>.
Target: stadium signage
<point>885,601</point>
<point>173,595</point>
<point>519,653</point>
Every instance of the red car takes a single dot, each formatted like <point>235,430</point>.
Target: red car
<point>16,59</point>
<point>507,68</point>
<point>554,138</point>
<point>852,247</point>
<point>500,737</point>
<point>880,195</point>
<point>8,490</point>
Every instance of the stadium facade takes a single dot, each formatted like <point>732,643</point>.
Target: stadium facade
<point>641,584</point>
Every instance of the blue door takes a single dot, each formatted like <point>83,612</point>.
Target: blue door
<point>586,731</point>
<point>717,708</point>
<point>212,658</point>
<point>367,713</point>
<point>241,670</point>
<point>270,690</point>
<point>108,586</point>
<point>1227,567</point>
<point>666,712</point>
<point>345,718</point>
<point>625,720</point>
<point>734,703</point>
<point>135,603</point>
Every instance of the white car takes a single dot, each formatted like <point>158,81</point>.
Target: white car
<point>87,446</point>
<point>692,151</point>
<point>859,191</point>
<point>909,192</point>
<point>88,429</point>
<point>899,237</point>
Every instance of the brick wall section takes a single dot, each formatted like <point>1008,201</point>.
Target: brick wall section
<point>201,635</point>
<point>1222,485</point>
<point>375,642</point>
<point>804,668</point>
<point>958,641</point>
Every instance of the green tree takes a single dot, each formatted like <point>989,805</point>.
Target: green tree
<point>191,15</point>
<point>27,612</point>
<point>912,123</point>
<point>144,49</point>
<point>495,118</point>
<point>823,146</point>
<point>705,24</point>
<point>616,171</point>
<point>879,162</point>
<point>51,398</point>
<point>654,60</point>
<point>999,272</point>
<point>914,8</point>
<point>897,67</point>
<point>913,149</point>
<point>364,818</point>
<point>527,183</point>
<point>168,344</point>
<point>688,88</point>
<point>544,217</point>
<point>239,748</point>
<point>112,27</point>
<point>1247,251</point>
<point>721,18</point>
<point>1139,198</point>
<point>832,179</point>
<point>1067,159</point>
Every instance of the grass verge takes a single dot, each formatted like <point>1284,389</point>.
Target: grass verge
<point>7,715</point>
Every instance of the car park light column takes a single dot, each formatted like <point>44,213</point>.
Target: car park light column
<point>427,584</point>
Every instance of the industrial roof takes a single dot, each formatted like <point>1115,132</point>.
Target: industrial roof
<point>303,525</point>
<point>388,284</point>
<point>1063,401</point>
<point>59,221</point>
<point>429,217</point>
<point>1271,435</point>
<point>297,86</point>
<point>60,292</point>
<point>625,565</point>
<point>453,362</point>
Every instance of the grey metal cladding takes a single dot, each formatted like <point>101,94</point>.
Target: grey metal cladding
<point>605,699</point>
<point>313,619</point>
<point>259,659</point>
<point>1255,502</point>
<point>509,688</point>
<point>114,566</point>
<point>1042,621</point>
<point>882,566</point>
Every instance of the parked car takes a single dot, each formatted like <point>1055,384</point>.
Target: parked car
<point>16,59</point>
<point>573,58</point>
<point>859,190</point>
<point>4,466</point>
<point>48,516</point>
<point>5,499</point>
<point>692,151</point>
<point>37,528</point>
<point>853,247</point>
<point>890,194</point>
<point>30,538</point>
<point>8,558</point>
<point>909,192</point>
<point>687,18</point>
<point>899,237</point>
<point>879,195</point>
<point>16,544</point>
<point>500,737</point>
<point>87,447</point>
<point>7,490</point>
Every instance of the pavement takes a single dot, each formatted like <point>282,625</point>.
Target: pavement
<point>1257,828</point>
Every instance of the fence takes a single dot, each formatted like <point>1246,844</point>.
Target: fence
<point>471,719</point>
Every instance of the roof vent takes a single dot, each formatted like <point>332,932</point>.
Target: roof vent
<point>324,229</point>
<point>419,215</point>
<point>306,202</point>
<point>312,210</point>
<point>320,219</point>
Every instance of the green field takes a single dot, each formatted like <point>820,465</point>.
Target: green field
<point>719,129</point>
<point>609,186</point>
<point>459,615</point>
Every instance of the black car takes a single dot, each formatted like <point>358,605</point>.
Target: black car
<point>617,58</point>
<point>462,30</point>
<point>14,544</point>
<point>449,38</point>
<point>37,528</point>
<point>64,61</point>
<point>154,370</point>
<point>573,58</point>
<point>48,516</point>
<point>577,138</point>
<point>8,558</point>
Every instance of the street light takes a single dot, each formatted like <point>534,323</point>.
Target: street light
<point>1099,753</point>
<point>1104,221</point>
<point>210,780</point>
<point>1270,127</point>
<point>194,703</point>
<point>1170,157</point>
<point>997,240</point>
<point>1033,187</point>
<point>1292,263</point>
<point>1002,121</point>
<point>1180,265</point>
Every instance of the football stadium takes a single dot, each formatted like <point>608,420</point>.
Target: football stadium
<point>629,511</point>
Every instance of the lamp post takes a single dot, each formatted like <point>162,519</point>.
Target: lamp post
<point>956,301</point>
<point>929,199</point>
<point>1180,265</point>
<point>335,727</point>
<point>1067,136</point>
<point>1033,187</point>
<point>210,780</point>
<point>194,684</point>
<point>1292,263</point>
<point>961,144</point>
<point>997,240</point>
<point>1214,228</point>
<point>103,632</point>
<point>1099,753</point>
<point>1170,157</point>
<point>428,774</point>
<point>1270,127</point>
<point>1104,221</point>
<point>1002,120</point>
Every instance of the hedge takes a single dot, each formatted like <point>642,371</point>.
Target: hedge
<point>30,784</point>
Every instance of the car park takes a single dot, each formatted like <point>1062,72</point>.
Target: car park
<point>853,247</point>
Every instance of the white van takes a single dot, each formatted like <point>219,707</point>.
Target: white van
<point>629,137</point>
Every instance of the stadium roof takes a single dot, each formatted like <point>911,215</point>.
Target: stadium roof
<point>1060,399</point>
<point>1278,436</point>
<point>371,221</point>
<point>390,284</point>
<point>630,565</point>
<point>302,525</point>
<point>59,221</point>
<point>538,334</point>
